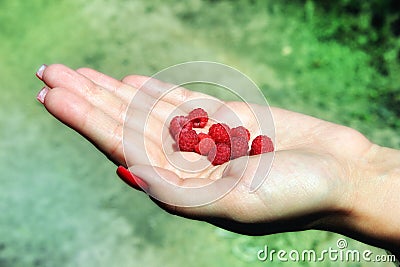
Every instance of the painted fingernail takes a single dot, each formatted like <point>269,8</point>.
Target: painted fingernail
<point>42,94</point>
<point>40,71</point>
<point>131,180</point>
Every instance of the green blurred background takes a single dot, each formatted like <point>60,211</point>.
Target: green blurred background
<point>60,201</point>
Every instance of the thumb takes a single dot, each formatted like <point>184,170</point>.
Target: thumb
<point>167,187</point>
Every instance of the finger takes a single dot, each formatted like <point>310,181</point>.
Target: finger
<point>144,100</point>
<point>177,96</point>
<point>116,87</point>
<point>100,79</point>
<point>142,122</point>
<point>136,81</point>
<point>190,197</point>
<point>143,147</point>
<point>91,122</point>
<point>58,75</point>
<point>61,76</point>
<point>150,106</point>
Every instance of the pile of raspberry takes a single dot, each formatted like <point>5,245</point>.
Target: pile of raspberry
<point>221,143</point>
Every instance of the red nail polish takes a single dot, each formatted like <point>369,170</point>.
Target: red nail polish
<point>131,180</point>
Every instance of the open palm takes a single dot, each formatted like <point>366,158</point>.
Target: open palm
<point>312,158</point>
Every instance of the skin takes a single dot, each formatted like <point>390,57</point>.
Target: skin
<point>324,176</point>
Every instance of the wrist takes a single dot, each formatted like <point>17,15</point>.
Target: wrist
<point>375,209</point>
<point>371,211</point>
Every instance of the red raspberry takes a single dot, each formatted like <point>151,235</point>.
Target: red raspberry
<point>261,144</point>
<point>219,154</point>
<point>239,147</point>
<point>198,117</point>
<point>240,131</point>
<point>187,140</point>
<point>178,123</point>
<point>203,136</point>
<point>219,132</point>
<point>204,146</point>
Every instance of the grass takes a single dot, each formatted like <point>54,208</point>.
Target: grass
<point>61,203</point>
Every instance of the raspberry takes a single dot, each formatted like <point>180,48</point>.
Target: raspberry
<point>203,136</point>
<point>219,154</point>
<point>187,140</point>
<point>240,131</point>
<point>219,132</point>
<point>198,117</point>
<point>221,143</point>
<point>178,123</point>
<point>204,146</point>
<point>261,144</point>
<point>239,147</point>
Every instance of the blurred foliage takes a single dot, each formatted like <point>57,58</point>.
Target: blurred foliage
<point>372,27</point>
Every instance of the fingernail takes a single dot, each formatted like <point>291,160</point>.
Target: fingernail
<point>131,180</point>
<point>42,94</point>
<point>40,71</point>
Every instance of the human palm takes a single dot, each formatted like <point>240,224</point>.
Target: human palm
<point>312,157</point>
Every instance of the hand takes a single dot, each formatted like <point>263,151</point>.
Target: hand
<point>314,175</point>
